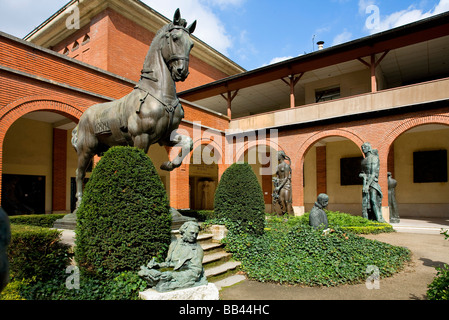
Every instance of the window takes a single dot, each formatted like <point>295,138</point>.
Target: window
<point>327,94</point>
<point>66,51</point>
<point>75,46</point>
<point>86,39</point>
<point>430,166</point>
<point>349,171</point>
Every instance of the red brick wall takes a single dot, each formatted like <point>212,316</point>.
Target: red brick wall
<point>120,45</point>
<point>379,131</point>
<point>21,57</point>
<point>59,178</point>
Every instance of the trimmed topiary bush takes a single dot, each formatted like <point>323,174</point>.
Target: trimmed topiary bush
<point>239,198</point>
<point>36,252</point>
<point>124,218</point>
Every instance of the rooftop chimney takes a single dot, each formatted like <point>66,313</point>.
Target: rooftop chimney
<point>320,45</point>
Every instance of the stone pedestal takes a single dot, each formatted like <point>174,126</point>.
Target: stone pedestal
<point>218,232</point>
<point>67,222</point>
<point>178,219</point>
<point>206,292</point>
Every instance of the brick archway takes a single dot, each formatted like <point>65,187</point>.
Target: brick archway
<point>298,161</point>
<point>325,134</point>
<point>216,146</point>
<point>13,111</point>
<point>254,143</point>
<point>409,124</point>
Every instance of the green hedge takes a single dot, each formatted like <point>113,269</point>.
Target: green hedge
<point>36,252</point>
<point>199,215</point>
<point>124,218</point>
<point>239,198</point>
<point>348,222</point>
<point>39,220</point>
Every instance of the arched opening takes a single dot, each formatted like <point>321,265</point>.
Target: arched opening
<point>419,163</point>
<point>203,176</point>
<point>38,164</point>
<point>332,166</point>
<point>263,160</point>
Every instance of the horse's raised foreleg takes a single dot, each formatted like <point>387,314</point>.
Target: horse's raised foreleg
<point>177,140</point>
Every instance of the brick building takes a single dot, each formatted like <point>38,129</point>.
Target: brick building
<point>390,89</point>
<point>51,76</point>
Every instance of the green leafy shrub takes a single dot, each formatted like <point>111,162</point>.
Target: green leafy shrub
<point>40,220</point>
<point>239,198</point>
<point>438,289</point>
<point>13,290</point>
<point>348,222</point>
<point>124,218</point>
<point>123,286</point>
<point>296,253</point>
<point>199,215</point>
<point>36,252</point>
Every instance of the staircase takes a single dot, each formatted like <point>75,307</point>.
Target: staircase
<point>218,265</point>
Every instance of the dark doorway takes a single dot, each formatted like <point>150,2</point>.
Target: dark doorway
<point>23,194</point>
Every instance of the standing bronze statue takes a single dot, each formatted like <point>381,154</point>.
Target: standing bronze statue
<point>394,214</point>
<point>371,192</point>
<point>150,113</point>
<point>282,195</point>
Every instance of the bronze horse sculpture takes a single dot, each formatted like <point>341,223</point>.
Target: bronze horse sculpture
<point>149,114</point>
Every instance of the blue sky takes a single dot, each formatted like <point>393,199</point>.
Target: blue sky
<point>255,33</point>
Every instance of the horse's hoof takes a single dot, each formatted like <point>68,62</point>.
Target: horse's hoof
<point>167,166</point>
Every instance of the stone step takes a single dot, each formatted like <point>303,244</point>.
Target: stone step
<point>229,281</point>
<point>216,257</point>
<point>221,269</point>
<point>204,237</point>
<point>211,247</point>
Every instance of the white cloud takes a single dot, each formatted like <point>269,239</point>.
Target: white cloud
<point>276,60</point>
<point>210,28</point>
<point>403,17</point>
<point>343,37</point>
<point>363,4</point>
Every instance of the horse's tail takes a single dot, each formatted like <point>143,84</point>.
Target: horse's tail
<point>75,138</point>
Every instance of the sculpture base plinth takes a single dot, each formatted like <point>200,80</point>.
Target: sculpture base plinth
<point>178,219</point>
<point>67,222</point>
<point>206,292</point>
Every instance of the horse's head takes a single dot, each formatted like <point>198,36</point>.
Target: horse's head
<point>177,46</point>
